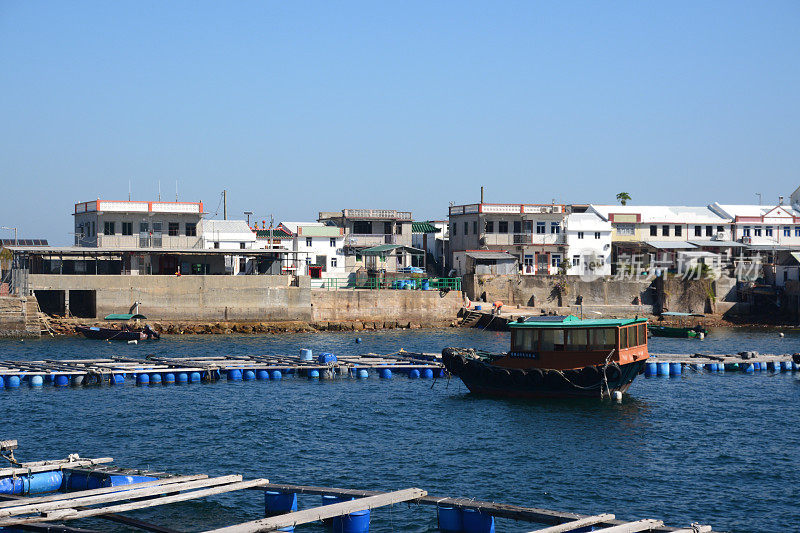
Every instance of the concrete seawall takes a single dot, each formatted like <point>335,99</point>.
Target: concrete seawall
<point>239,298</point>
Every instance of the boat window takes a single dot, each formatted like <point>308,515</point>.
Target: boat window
<point>577,340</point>
<point>623,338</point>
<point>525,340</point>
<point>602,339</point>
<point>642,333</point>
<point>552,340</point>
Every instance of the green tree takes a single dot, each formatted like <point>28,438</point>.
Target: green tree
<point>623,198</point>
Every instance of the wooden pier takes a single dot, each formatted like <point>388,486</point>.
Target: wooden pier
<point>47,512</point>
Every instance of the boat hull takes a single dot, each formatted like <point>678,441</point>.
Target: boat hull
<point>486,379</point>
<point>112,334</point>
<point>678,333</point>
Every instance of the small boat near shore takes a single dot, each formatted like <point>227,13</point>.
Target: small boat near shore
<point>115,334</point>
<point>557,357</point>
<point>681,331</point>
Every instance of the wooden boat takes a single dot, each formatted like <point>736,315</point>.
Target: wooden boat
<point>557,357</point>
<point>114,334</point>
<point>681,331</point>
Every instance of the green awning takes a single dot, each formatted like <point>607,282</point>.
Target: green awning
<point>386,248</point>
<point>122,316</point>
<point>424,227</point>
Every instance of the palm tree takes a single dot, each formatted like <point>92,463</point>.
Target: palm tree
<point>623,198</point>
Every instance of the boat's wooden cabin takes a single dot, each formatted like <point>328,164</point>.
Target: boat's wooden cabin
<point>565,342</point>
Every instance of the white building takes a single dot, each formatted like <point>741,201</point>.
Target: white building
<point>433,237</point>
<point>319,249</point>
<point>229,235</point>
<point>588,239</point>
<point>763,225</point>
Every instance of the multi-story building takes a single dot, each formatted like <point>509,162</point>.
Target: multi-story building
<point>318,249</point>
<point>588,240</point>
<point>373,238</point>
<point>533,233</point>
<point>762,226</point>
<point>137,224</point>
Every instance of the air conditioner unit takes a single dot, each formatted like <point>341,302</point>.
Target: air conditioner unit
<point>746,240</point>
<point>719,236</point>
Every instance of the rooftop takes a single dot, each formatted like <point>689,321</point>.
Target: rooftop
<point>673,214</point>
<point>571,321</point>
<point>136,206</point>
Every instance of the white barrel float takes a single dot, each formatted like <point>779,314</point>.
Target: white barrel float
<point>306,355</point>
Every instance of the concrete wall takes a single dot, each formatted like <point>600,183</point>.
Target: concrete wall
<point>538,291</point>
<point>420,307</point>
<point>253,298</point>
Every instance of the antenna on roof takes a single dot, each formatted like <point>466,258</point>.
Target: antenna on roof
<point>176,190</point>
<point>159,190</point>
<point>759,197</point>
<point>129,190</point>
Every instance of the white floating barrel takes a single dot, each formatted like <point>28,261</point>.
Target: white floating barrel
<point>306,355</point>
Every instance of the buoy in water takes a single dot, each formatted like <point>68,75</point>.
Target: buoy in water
<point>616,396</point>
<point>12,382</point>
<point>133,342</point>
<point>313,374</point>
<point>116,379</point>
<point>701,335</point>
<point>169,378</point>
<point>781,335</point>
<point>358,340</point>
<point>362,373</point>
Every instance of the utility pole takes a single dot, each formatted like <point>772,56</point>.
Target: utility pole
<point>759,197</point>
<point>224,204</point>
<point>248,213</point>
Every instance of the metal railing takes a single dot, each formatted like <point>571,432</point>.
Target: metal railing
<point>404,283</point>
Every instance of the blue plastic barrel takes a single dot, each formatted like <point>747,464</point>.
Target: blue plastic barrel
<point>786,366</point>
<point>277,503</point>
<point>427,373</point>
<point>711,367</point>
<point>61,380</point>
<point>37,483</point>
<point>234,374</point>
<point>116,379</point>
<point>385,373</point>
<point>306,355</point>
<point>674,369</point>
<point>697,367</point>
<point>476,522</point>
<point>650,370</point>
<point>169,377</point>
<point>426,284</point>
<point>449,519</point>
<point>142,379</point>
<point>413,374</point>
<point>182,377</point>
<point>36,381</point>
<point>756,367</point>
<point>720,367</point>
<point>249,375</point>
<point>12,382</point>
<point>773,366</point>
<point>747,368</point>
<point>116,480</point>
<point>262,374</point>
<point>326,358</point>
<point>477,308</point>
<point>357,522</point>
<point>362,373</point>
<point>2,382</point>
<point>275,375</point>
<point>155,378</point>
<point>195,377</point>
<point>313,374</point>
<point>663,369</point>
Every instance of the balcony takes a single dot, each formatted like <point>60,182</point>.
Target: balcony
<point>376,214</point>
<point>370,239</point>
<point>523,239</point>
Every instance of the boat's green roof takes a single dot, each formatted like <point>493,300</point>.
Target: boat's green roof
<point>571,321</point>
<point>124,316</point>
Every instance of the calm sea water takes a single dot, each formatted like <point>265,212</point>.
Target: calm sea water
<point>718,449</point>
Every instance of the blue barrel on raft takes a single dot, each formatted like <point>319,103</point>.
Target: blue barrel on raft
<point>362,373</point>
<point>474,521</point>
<point>385,373</point>
<point>249,375</point>
<point>650,370</point>
<point>36,381</point>
<point>262,375</point>
<point>142,379</point>
<point>182,377</point>
<point>674,369</point>
<point>306,355</point>
<point>711,367</point>
<point>747,368</point>
<point>96,480</point>
<point>313,374</point>
<point>786,366</point>
<point>326,358</point>
<point>275,375</point>
<point>117,379</point>
<point>38,483</point>
<point>195,377</point>
<point>413,374</point>
<point>356,522</point>
<point>426,373</point>
<point>61,380</point>
<point>169,377</point>
<point>155,379</point>
<point>663,369</point>
<point>449,519</point>
<point>278,503</point>
<point>234,374</point>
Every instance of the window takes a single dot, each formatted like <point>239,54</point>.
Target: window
<point>144,227</point>
<point>540,228</point>
<point>242,245</point>
<point>517,226</point>
<point>555,261</point>
<point>555,227</point>
<point>746,231</point>
<point>678,231</point>
<point>216,244</point>
<point>108,228</point>
<point>502,226</point>
<point>489,226</point>
<point>577,339</point>
<point>576,260</point>
<point>698,231</point>
<point>787,231</point>
<point>191,229</point>
<point>398,229</point>
<point>358,257</point>
<point>157,227</point>
<point>757,231</point>
<point>623,338</point>
<point>529,226</point>
<point>309,241</point>
<point>127,228</point>
<point>362,227</point>
<point>626,229</point>
<point>596,234</point>
<point>653,231</point>
<point>525,340</point>
<point>797,232</point>
<point>602,339</point>
<point>332,242</point>
<point>453,230</point>
<point>387,228</point>
<point>768,231</point>
<point>580,235</point>
<point>709,231</point>
<point>174,229</point>
<point>333,262</point>
<point>466,228</point>
<point>552,340</point>
<point>665,230</point>
<point>475,227</point>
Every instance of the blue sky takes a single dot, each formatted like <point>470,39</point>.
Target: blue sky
<point>297,107</point>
